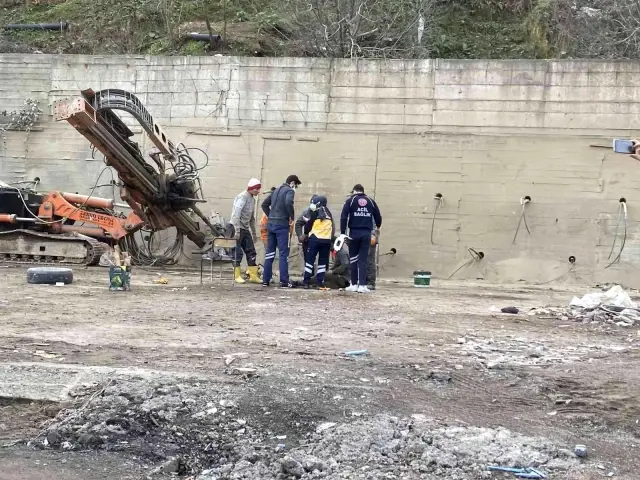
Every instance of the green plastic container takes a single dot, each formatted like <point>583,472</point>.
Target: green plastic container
<point>421,279</point>
<point>120,278</point>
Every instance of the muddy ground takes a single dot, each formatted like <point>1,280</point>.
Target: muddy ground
<point>442,354</point>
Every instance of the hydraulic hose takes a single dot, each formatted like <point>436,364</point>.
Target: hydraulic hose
<point>440,201</point>
<point>622,210</point>
<point>523,217</point>
<point>475,257</point>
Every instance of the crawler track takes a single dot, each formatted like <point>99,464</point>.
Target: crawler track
<point>30,247</point>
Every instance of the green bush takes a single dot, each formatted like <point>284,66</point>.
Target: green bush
<point>193,48</point>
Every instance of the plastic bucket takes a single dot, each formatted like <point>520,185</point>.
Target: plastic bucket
<point>421,279</point>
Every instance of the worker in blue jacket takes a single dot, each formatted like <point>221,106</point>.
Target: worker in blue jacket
<point>278,207</point>
<point>357,215</point>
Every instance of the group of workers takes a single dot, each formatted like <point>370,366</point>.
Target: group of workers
<point>354,265</point>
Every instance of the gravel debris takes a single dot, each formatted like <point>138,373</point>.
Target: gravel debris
<point>169,427</point>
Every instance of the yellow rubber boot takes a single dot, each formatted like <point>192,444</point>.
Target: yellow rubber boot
<point>237,273</point>
<point>253,275</point>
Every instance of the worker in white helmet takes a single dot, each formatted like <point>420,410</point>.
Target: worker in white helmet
<point>243,228</point>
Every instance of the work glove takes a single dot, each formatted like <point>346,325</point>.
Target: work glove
<point>236,233</point>
<point>254,237</point>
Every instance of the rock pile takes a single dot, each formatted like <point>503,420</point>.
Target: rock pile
<point>185,428</point>
<point>199,431</point>
<point>387,447</point>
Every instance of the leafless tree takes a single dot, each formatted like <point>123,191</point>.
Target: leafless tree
<point>360,28</point>
<point>607,29</point>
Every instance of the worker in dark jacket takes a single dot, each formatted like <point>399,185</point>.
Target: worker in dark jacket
<point>279,209</point>
<point>299,231</point>
<point>263,223</point>
<point>319,229</point>
<point>339,275</point>
<point>357,215</point>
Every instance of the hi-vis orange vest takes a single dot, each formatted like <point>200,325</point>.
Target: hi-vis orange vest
<point>263,227</point>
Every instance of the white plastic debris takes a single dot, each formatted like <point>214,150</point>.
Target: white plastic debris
<point>615,296</point>
<point>324,426</point>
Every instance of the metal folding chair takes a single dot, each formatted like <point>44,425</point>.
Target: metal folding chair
<point>227,244</point>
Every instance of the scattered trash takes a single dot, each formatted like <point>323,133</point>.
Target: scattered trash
<point>43,354</point>
<point>107,259</point>
<point>356,353</point>
<point>613,307</point>
<point>310,337</point>
<point>169,466</point>
<point>580,451</point>
<point>499,354</point>
<point>520,472</point>
<point>229,359</point>
<point>161,281</point>
<point>324,426</point>
<point>244,371</point>
<point>59,284</point>
<point>512,310</point>
<point>615,296</point>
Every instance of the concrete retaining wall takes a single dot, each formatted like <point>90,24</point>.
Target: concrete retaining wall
<point>481,133</point>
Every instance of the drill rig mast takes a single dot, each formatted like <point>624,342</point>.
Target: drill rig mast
<point>161,195</point>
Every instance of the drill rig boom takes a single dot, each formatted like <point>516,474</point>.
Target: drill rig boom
<point>64,227</point>
<point>162,196</point>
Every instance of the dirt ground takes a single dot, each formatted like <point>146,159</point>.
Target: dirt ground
<point>442,352</point>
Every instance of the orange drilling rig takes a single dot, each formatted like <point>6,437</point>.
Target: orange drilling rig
<point>62,227</point>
